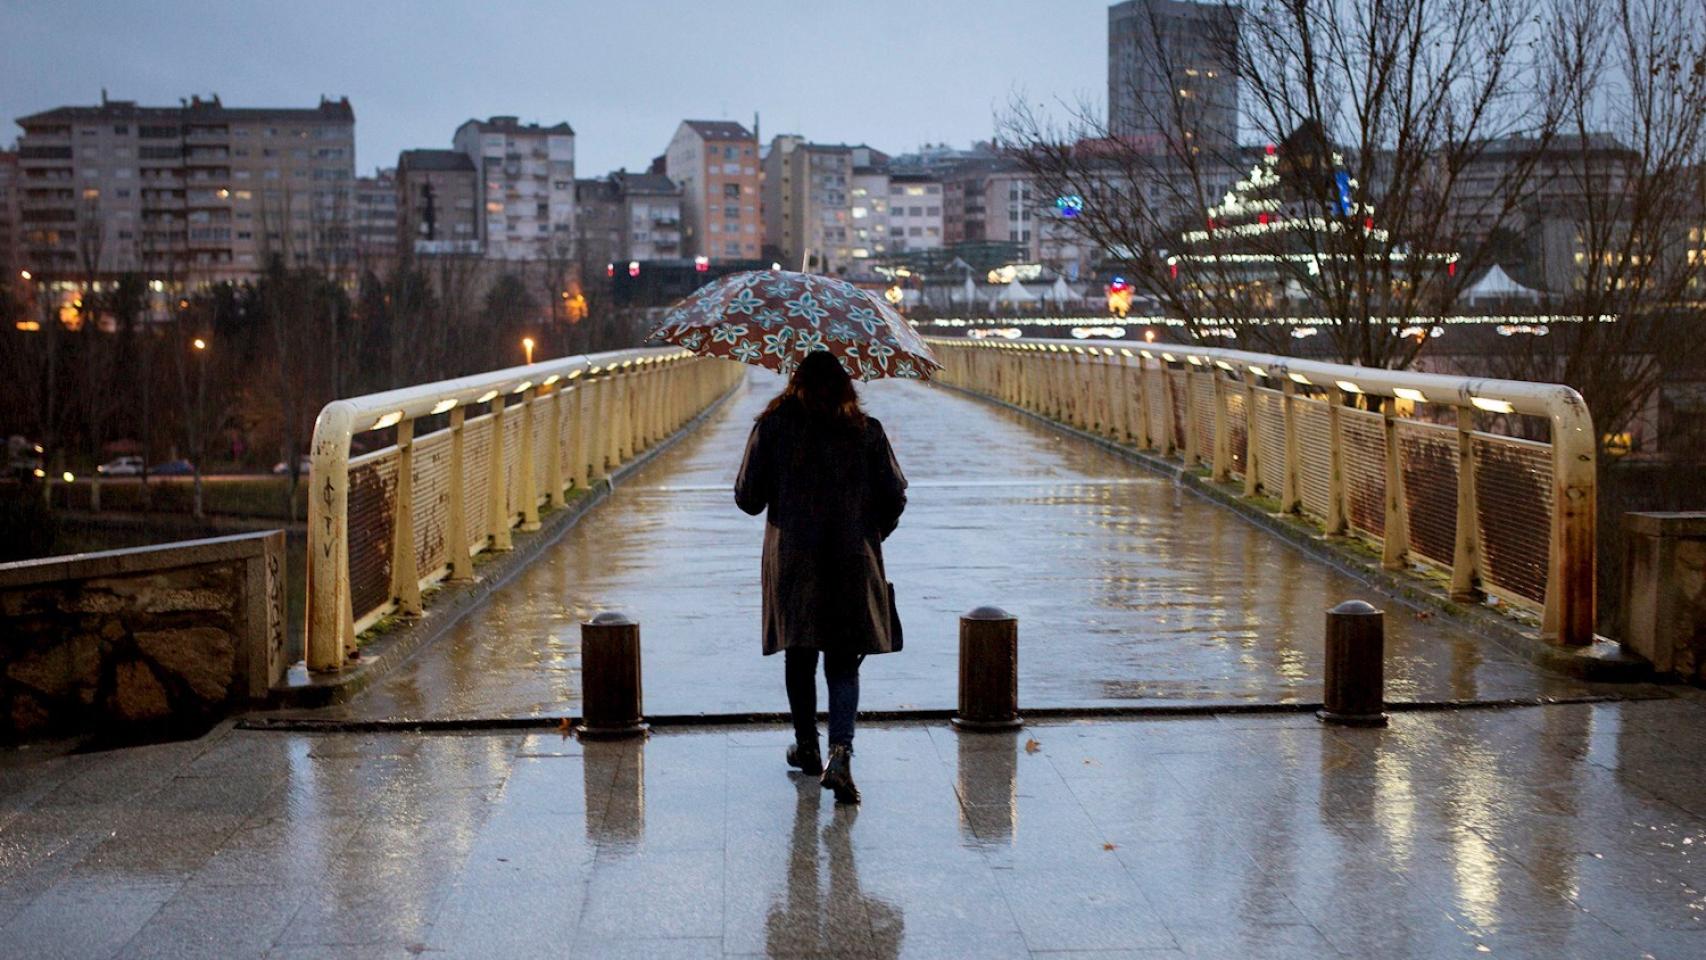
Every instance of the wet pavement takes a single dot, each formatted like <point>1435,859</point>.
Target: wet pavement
<point>1565,831</point>
<point>1129,590</point>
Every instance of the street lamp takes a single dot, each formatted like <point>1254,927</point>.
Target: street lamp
<point>527,345</point>
<point>200,346</point>
<point>24,274</point>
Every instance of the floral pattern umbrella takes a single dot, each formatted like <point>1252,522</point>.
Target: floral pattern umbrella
<point>773,318</point>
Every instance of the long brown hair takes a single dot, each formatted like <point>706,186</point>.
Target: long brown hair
<point>821,389</point>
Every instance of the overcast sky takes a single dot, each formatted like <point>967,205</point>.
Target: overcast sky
<point>892,73</point>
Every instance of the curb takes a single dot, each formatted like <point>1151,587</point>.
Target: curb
<point>454,600</point>
<point>1604,662</point>
<point>1110,712</point>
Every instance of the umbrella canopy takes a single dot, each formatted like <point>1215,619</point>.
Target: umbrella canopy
<point>772,318</point>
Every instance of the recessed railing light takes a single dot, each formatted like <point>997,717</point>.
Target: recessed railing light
<point>389,420</point>
<point>1347,386</point>
<point>1300,378</point>
<point>1169,358</point>
<point>553,378</point>
<point>1193,361</point>
<point>1410,394</point>
<point>486,397</point>
<point>1258,371</point>
<point>444,406</point>
<point>522,386</point>
<point>1493,406</point>
<point>1222,364</point>
<point>575,373</point>
<point>1124,352</point>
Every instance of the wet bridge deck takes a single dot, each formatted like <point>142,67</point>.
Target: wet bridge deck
<point>1128,588</point>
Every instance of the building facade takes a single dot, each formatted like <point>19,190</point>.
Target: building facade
<point>651,212</point>
<point>374,223</point>
<point>10,261</point>
<point>438,203</point>
<point>715,163</point>
<point>199,192</point>
<point>915,212</point>
<point>807,214</point>
<point>1170,72</point>
<point>525,175</point>
<point>868,213</point>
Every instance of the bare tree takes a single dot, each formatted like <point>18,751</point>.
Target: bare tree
<point>1358,213</point>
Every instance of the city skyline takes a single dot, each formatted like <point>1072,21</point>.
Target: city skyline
<point>898,77</point>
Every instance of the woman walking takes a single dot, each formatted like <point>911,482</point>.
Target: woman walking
<point>826,474</point>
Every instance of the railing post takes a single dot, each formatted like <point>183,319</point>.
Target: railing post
<point>1466,551</point>
<point>461,557</point>
<point>405,577</point>
<point>497,483</point>
<point>1252,437</point>
<point>529,481</point>
<point>1145,439</point>
<point>1107,408</point>
<point>1291,495</point>
<point>1395,534</point>
<point>625,413</point>
<point>330,625</point>
<point>1336,523</point>
<point>1569,611</point>
<point>597,431</point>
<point>1169,418</point>
<point>554,459</point>
<point>1193,448</point>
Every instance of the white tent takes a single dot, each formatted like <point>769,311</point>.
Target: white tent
<point>1061,293</point>
<point>968,293</point>
<point>1496,285</point>
<point>1015,293</point>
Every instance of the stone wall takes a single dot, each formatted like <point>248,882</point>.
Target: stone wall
<point>1664,591</point>
<point>154,636</point>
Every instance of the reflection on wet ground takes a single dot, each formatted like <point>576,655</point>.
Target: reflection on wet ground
<point>1569,831</point>
<point>1128,589</point>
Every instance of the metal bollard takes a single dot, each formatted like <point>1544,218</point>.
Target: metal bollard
<point>989,670</point>
<point>610,678</point>
<point>1355,688</point>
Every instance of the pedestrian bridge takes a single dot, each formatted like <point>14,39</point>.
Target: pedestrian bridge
<point>1130,587</point>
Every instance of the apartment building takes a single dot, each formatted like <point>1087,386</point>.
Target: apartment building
<point>807,216</point>
<point>200,192</point>
<point>915,212</point>
<point>651,225</point>
<point>868,213</point>
<point>1170,72</point>
<point>10,262</point>
<point>715,163</point>
<point>438,203</point>
<point>374,223</point>
<point>628,216</point>
<point>525,175</point>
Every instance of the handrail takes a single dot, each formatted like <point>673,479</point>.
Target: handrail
<point>1127,403</point>
<point>584,414</point>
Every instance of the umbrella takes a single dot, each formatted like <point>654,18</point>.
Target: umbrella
<point>772,318</point>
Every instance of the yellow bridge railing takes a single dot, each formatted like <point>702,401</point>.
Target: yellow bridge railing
<point>1347,447</point>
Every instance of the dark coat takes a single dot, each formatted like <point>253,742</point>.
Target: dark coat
<point>834,494</point>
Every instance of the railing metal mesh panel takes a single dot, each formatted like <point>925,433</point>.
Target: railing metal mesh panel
<point>372,513</point>
<point>1270,440</point>
<point>1363,432</point>
<point>542,448</point>
<point>476,467</point>
<point>512,464</point>
<point>1428,454</point>
<point>1513,490</point>
<point>1237,429</point>
<point>1155,384</point>
<point>570,401</point>
<point>1202,414</point>
<point>1314,466</point>
<point>431,503</point>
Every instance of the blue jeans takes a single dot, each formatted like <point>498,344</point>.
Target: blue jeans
<point>841,672</point>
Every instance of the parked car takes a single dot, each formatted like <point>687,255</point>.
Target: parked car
<point>173,468</point>
<point>121,467</point>
<point>23,458</point>
<point>302,465</point>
